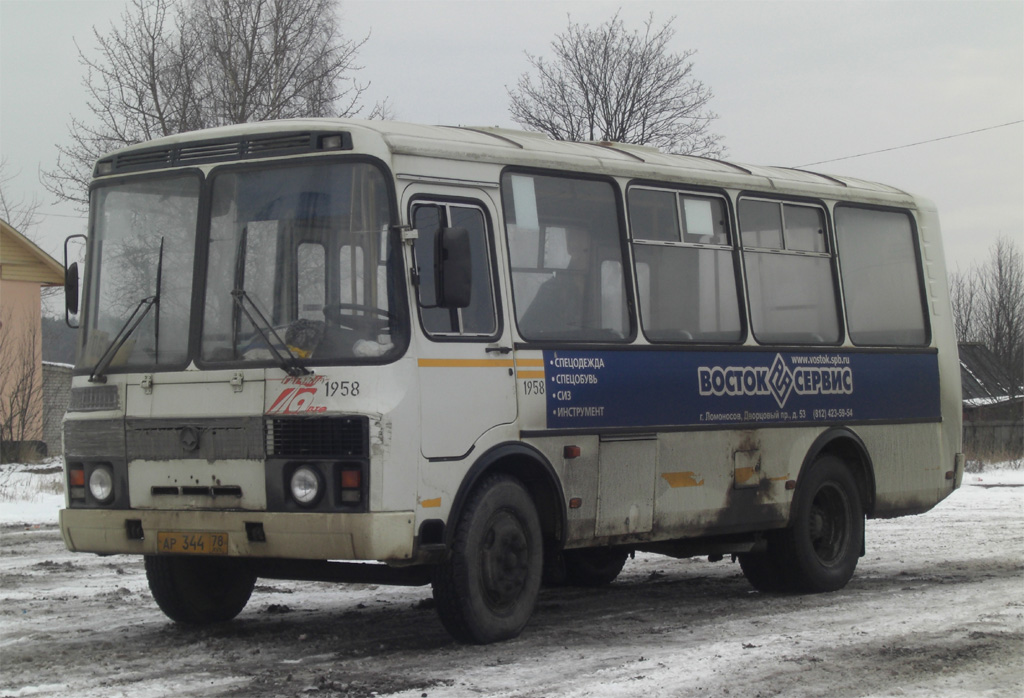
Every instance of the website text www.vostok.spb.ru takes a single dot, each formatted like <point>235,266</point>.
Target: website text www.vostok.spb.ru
<point>820,360</point>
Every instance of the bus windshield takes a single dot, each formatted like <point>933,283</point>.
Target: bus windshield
<point>297,268</point>
<point>141,259</point>
<point>300,266</point>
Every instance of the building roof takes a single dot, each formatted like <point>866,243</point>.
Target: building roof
<point>22,260</point>
<point>984,381</point>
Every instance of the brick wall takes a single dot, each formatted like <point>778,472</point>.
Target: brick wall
<point>56,395</point>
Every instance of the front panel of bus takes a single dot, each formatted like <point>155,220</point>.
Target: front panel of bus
<point>242,363</point>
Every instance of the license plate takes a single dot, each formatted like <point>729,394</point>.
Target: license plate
<point>192,543</point>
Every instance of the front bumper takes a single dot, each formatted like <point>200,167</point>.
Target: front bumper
<point>386,536</point>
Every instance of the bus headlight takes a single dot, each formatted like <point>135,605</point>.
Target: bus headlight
<point>306,485</point>
<point>101,484</point>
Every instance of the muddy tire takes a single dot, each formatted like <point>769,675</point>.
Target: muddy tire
<point>199,590</point>
<point>766,571</point>
<point>593,567</point>
<point>487,588</point>
<point>820,549</point>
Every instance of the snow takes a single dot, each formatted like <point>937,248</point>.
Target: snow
<point>31,493</point>
<point>936,608</point>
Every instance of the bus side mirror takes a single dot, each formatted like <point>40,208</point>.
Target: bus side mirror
<point>71,281</point>
<point>71,289</point>
<point>453,273</point>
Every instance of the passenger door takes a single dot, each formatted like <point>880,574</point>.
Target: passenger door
<point>465,366</point>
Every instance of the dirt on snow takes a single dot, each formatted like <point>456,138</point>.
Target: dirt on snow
<point>936,608</point>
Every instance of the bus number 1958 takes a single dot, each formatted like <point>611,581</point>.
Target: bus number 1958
<point>341,388</point>
<point>533,387</point>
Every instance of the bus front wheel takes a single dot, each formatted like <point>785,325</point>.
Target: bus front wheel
<point>821,548</point>
<point>487,588</point>
<point>199,590</point>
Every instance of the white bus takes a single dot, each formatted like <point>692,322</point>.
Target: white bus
<point>479,359</point>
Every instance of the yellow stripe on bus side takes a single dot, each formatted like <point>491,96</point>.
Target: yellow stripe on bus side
<point>530,362</point>
<point>529,374</point>
<point>687,479</point>
<point>465,363</point>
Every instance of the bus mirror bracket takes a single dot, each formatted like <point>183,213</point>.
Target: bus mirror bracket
<point>453,273</point>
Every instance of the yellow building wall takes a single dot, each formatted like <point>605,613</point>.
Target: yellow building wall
<point>21,352</point>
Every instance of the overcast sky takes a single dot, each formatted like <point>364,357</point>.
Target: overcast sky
<point>794,83</point>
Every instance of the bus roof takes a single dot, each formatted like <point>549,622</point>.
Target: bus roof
<point>529,149</point>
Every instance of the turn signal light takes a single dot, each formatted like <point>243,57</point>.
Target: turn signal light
<point>351,486</point>
<point>76,477</point>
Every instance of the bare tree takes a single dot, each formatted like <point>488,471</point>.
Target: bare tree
<point>21,387</point>
<point>19,213</point>
<point>181,65</point>
<point>988,306</point>
<point>606,83</point>
<point>1001,288</point>
<point>964,297</point>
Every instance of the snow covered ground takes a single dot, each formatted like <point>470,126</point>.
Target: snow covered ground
<point>936,609</point>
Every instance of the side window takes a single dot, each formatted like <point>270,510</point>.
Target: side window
<point>881,277</point>
<point>684,267</point>
<point>789,273</point>
<point>479,318</point>
<point>566,254</point>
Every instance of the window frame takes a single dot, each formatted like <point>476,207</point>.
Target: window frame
<point>447,202</point>
<point>918,265</point>
<point>629,299</point>
<point>829,253</point>
<point>731,229</point>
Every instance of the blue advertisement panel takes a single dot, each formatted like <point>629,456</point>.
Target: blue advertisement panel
<point>606,389</point>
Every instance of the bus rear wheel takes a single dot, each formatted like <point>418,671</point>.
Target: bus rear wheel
<point>487,588</point>
<point>766,571</point>
<point>820,549</point>
<point>199,590</point>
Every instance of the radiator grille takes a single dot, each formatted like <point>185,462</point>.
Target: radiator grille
<point>318,436</point>
<point>94,399</point>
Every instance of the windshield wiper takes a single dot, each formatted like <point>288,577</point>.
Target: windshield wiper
<point>145,305</point>
<point>130,324</point>
<point>291,363</point>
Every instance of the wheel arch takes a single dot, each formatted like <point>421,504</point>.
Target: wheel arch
<point>529,466</point>
<point>845,444</point>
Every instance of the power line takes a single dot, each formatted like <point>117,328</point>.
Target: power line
<point>80,216</point>
<point>911,145</point>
